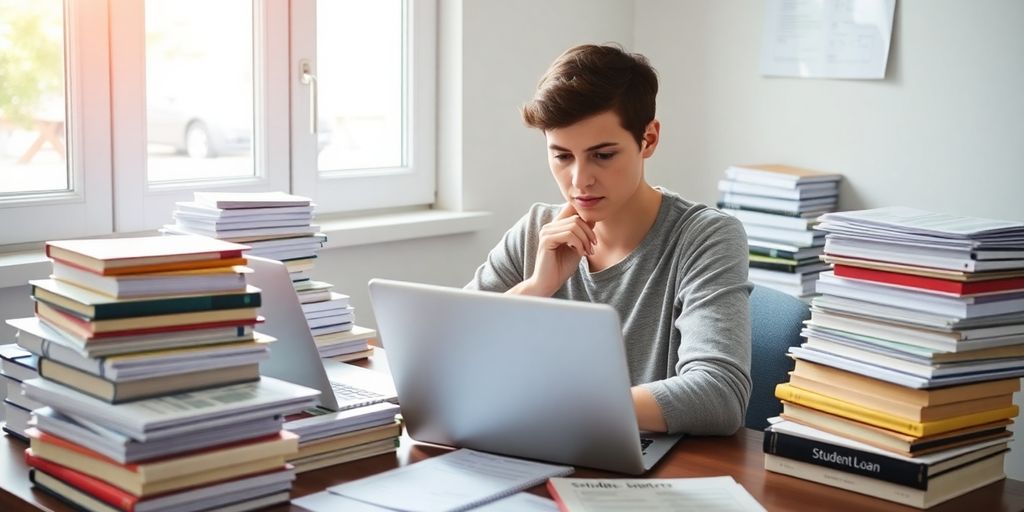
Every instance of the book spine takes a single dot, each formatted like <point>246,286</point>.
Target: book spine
<point>858,462</point>
<point>842,480</point>
<point>879,276</point>
<point>130,309</point>
<point>774,253</point>
<point>847,410</point>
<point>781,267</point>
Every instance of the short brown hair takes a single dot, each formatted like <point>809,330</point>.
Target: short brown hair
<point>589,79</point>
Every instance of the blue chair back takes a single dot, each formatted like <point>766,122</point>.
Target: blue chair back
<point>775,320</point>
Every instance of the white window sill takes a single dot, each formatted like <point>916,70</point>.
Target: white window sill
<point>17,267</point>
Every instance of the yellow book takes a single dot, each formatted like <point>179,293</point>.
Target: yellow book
<point>884,420</point>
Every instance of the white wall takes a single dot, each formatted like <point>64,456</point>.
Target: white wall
<point>944,131</point>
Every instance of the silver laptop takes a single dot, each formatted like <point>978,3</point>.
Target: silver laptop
<point>294,357</point>
<point>523,376</point>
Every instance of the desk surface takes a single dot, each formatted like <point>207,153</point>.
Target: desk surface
<point>739,456</point>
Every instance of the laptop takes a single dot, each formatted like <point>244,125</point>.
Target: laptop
<point>294,356</point>
<point>530,377</point>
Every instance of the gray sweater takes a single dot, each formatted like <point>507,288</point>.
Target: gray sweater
<point>682,297</point>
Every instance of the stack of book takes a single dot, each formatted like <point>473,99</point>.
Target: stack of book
<point>17,365</point>
<point>279,226</point>
<point>779,206</point>
<point>904,387</point>
<point>328,437</point>
<point>149,379</point>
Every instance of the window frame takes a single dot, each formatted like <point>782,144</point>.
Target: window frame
<point>86,209</point>
<point>365,189</point>
<point>141,205</point>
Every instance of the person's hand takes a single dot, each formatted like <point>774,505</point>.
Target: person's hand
<point>563,242</point>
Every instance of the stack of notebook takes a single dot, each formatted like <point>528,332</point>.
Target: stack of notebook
<point>150,385</point>
<point>17,365</point>
<point>328,437</point>
<point>779,206</point>
<point>904,387</point>
<point>279,226</point>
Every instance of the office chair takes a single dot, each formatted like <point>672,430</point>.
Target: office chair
<point>775,320</point>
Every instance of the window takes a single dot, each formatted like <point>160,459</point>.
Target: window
<point>332,99</point>
<point>49,134</point>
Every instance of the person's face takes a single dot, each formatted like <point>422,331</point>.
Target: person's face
<point>598,165</point>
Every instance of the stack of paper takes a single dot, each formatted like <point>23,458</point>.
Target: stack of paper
<point>279,226</point>
<point>913,353</point>
<point>150,379</point>
<point>328,437</point>
<point>779,206</point>
<point>18,365</point>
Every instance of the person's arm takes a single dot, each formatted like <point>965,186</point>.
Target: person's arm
<point>709,393</point>
<point>648,413</point>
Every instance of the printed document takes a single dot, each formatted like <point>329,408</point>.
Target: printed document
<point>711,494</point>
<point>457,480</point>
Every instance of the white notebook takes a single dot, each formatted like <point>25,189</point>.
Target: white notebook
<point>457,480</point>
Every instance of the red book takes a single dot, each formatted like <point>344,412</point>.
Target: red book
<point>930,283</point>
<point>96,488</point>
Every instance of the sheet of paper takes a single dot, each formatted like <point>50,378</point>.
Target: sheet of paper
<point>520,502</point>
<point>827,38</point>
<point>711,494</point>
<point>454,481</point>
<point>325,501</point>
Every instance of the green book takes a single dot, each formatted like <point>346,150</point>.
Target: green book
<point>97,306</point>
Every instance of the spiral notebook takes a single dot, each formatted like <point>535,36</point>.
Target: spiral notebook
<point>458,480</point>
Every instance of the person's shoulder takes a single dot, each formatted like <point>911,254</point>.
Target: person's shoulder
<point>542,213</point>
<point>691,215</point>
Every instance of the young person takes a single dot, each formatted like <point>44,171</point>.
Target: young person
<point>675,270</point>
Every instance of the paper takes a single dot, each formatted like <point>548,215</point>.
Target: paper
<point>326,501</point>
<point>827,38</point>
<point>712,494</point>
<point>457,480</point>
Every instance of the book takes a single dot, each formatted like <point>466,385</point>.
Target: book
<point>346,357</point>
<point>907,222</point>
<point>889,440</point>
<point>938,273</point>
<point>18,363</point>
<point>351,439</point>
<point>806,238</point>
<point>195,208</point>
<point>235,200</point>
<point>122,327</point>
<point>14,396</point>
<point>805,191</point>
<point>887,374</point>
<point>958,288</point>
<point>133,484</point>
<point>964,328</point>
<point>750,217</point>
<point>38,337</point>
<point>884,404</point>
<point>16,420</point>
<point>124,391</point>
<point>457,480</point>
<point>171,473</point>
<point>776,175</point>
<point>94,494</point>
<point>771,204</point>
<point>117,256</point>
<point>179,282</point>
<point>336,301</point>
<point>168,416</point>
<point>156,363</point>
<point>789,393</point>
<point>916,397</point>
<point>774,249</point>
<point>137,323</point>
<point>343,455</point>
<point>356,334</point>
<point>819,448</point>
<point>942,488</point>
<point>651,494</point>
<point>911,255</point>
<point>1001,340</point>
<point>318,423</point>
<point>961,307</point>
<point>97,306</point>
<point>123,449</point>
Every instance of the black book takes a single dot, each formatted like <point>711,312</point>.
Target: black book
<point>869,464</point>
<point>802,268</point>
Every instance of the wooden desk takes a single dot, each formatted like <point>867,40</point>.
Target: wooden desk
<point>738,456</point>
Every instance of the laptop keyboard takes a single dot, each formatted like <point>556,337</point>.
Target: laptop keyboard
<point>348,395</point>
<point>644,443</point>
